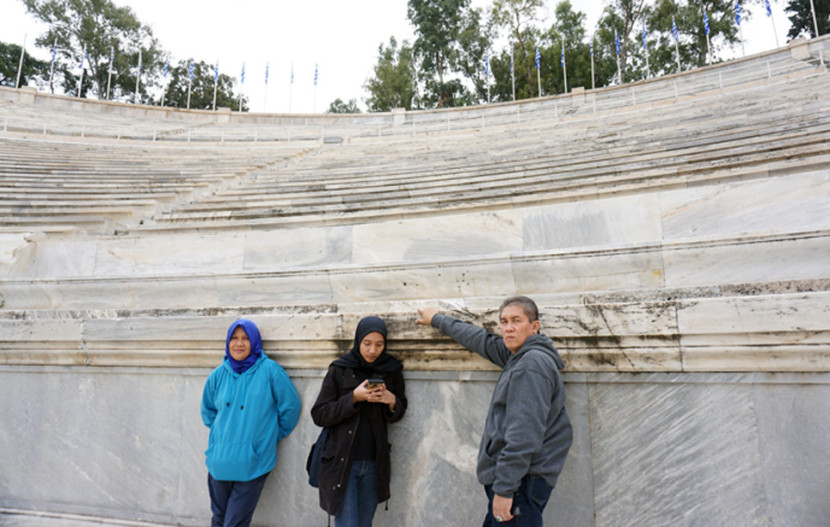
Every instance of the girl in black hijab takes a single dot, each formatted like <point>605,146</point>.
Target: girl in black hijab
<point>355,468</point>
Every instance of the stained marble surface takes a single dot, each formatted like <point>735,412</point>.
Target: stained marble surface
<point>680,449</point>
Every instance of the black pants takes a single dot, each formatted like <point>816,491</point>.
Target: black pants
<point>233,502</point>
<point>528,503</point>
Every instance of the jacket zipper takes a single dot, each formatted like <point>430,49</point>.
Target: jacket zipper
<point>349,452</point>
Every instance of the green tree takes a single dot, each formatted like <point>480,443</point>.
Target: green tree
<point>201,88</point>
<point>393,84</point>
<point>801,17</point>
<point>474,41</point>
<point>438,24</point>
<point>515,17</point>
<point>338,106</point>
<point>100,27</point>
<point>568,31</point>
<point>33,70</point>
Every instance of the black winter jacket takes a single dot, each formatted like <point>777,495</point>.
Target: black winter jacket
<point>334,409</point>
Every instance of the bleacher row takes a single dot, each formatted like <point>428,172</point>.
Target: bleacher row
<point>655,215</point>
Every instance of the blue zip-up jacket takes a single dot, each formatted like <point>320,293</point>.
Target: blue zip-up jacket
<point>247,413</point>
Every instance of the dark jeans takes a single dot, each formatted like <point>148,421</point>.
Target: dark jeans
<point>528,503</point>
<point>361,496</point>
<point>233,502</point>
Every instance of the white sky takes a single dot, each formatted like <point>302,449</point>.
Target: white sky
<point>342,37</point>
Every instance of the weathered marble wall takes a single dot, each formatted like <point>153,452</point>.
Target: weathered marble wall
<point>650,449</point>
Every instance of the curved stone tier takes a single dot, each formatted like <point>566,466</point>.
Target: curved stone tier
<point>675,233</point>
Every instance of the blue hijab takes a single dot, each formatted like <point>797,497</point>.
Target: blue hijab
<point>252,331</point>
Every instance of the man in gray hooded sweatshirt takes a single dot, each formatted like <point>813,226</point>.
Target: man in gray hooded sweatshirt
<point>527,434</point>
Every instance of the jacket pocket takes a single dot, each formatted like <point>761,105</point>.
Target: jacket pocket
<point>232,461</point>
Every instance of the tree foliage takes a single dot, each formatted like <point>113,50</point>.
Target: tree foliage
<point>33,70</point>
<point>201,88</point>
<point>393,84</point>
<point>338,106</point>
<point>102,28</point>
<point>801,17</point>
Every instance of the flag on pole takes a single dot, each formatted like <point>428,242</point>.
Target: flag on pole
<point>292,73</point>
<point>486,66</point>
<point>562,59</point>
<point>738,12</point>
<point>242,75</point>
<point>216,72</point>
<point>54,51</point>
<point>83,58</point>
<point>164,69</point>
<point>315,74</point>
<point>645,47</point>
<point>769,9</point>
<point>266,73</point>
<point>190,73</point>
<point>538,58</point>
<point>617,42</point>
<point>112,56</point>
<point>705,22</point>
<point>674,29</point>
<point>139,63</point>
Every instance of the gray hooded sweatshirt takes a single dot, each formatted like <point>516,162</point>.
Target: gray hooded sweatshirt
<point>527,429</point>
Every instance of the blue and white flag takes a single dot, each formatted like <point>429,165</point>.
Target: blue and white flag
<point>617,42</point>
<point>705,22</point>
<point>242,75</point>
<point>315,74</point>
<point>164,70</point>
<point>645,47</point>
<point>266,73</point>
<point>769,9</point>
<point>191,71</point>
<point>592,47</point>
<point>139,63</point>
<point>538,58</point>
<point>54,51</point>
<point>112,56</point>
<point>81,65</point>
<point>737,12</point>
<point>562,59</point>
<point>216,73</point>
<point>511,60</point>
<point>674,29</point>
<point>292,73</point>
<point>486,66</point>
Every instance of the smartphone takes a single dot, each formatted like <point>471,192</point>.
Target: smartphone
<point>375,382</point>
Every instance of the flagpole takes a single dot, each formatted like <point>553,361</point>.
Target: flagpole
<point>564,65</point>
<point>617,44</point>
<point>538,68</point>
<point>645,52</point>
<point>241,85</point>
<point>265,98</point>
<point>109,76</point>
<point>215,82</point>
<point>706,29</point>
<point>81,80</point>
<point>137,97</point>
<point>676,46</point>
<point>769,15</point>
<point>20,66</point>
<point>52,68</point>
<point>512,73</point>
<point>189,82</point>
<point>740,28</point>
<point>487,75</point>
<point>815,25</point>
<point>593,83</point>
<point>314,103</point>
<point>166,83</point>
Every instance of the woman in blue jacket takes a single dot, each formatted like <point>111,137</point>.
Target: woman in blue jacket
<point>249,404</point>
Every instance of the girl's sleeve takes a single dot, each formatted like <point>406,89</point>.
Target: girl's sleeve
<point>288,402</point>
<point>208,401</point>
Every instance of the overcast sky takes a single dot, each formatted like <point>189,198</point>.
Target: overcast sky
<point>340,37</point>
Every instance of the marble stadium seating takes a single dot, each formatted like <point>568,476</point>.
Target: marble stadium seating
<point>675,233</point>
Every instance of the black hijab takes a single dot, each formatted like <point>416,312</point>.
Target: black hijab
<point>385,363</point>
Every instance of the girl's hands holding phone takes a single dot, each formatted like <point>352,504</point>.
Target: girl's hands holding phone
<point>374,393</point>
